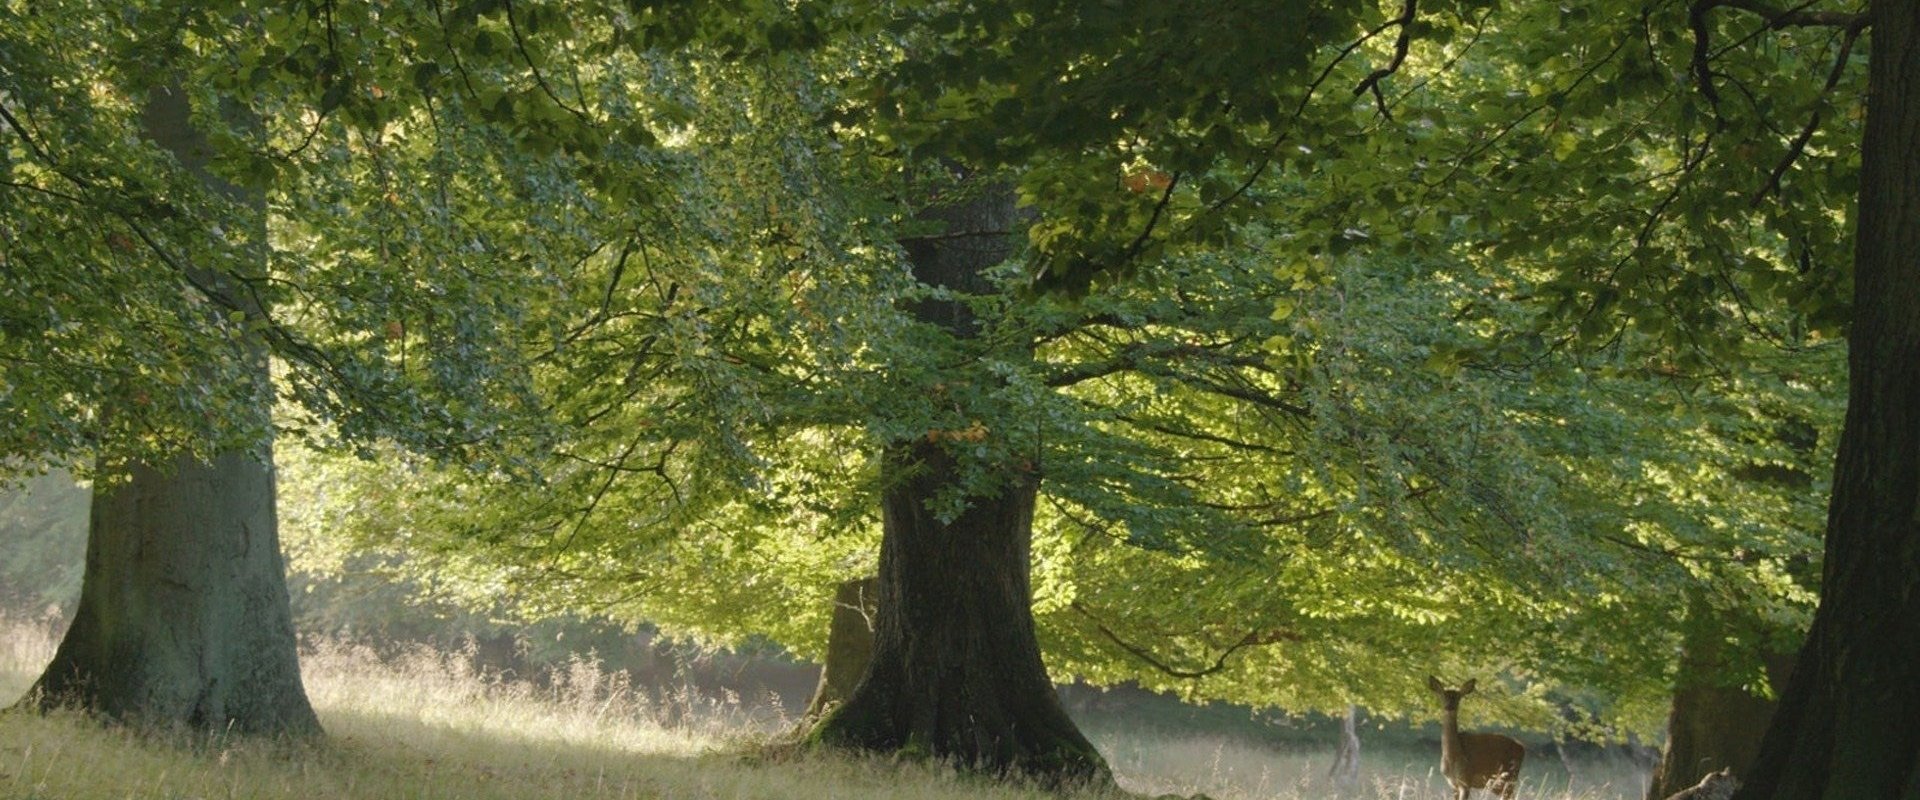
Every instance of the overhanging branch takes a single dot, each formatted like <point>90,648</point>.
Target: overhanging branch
<point>1777,18</point>
<point>1253,638</point>
<point>1400,45</point>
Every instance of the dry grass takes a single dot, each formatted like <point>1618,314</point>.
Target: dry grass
<point>1227,767</point>
<point>427,725</point>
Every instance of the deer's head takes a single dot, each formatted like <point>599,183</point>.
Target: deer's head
<point>1449,698</point>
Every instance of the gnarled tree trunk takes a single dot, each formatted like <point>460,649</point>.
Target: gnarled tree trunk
<point>956,672</point>
<point>184,618</point>
<point>1846,727</point>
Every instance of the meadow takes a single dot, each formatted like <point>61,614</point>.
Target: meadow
<point>426,724</point>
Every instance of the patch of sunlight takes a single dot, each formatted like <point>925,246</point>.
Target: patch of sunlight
<point>428,725</point>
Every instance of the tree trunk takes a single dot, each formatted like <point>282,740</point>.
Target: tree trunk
<point>184,618</point>
<point>956,671</point>
<point>1846,727</point>
<point>1713,725</point>
<point>849,644</point>
<point>1345,772</point>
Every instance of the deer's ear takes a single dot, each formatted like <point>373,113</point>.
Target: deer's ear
<point>1434,684</point>
<point>1467,688</point>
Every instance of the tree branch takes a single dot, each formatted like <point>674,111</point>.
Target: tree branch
<point>1252,638</point>
<point>1795,17</point>
<point>521,45</point>
<point>1400,45</point>
<point>1799,144</point>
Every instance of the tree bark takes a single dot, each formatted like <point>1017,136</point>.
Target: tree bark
<point>956,672</point>
<point>1846,727</point>
<point>184,618</point>
<point>849,644</point>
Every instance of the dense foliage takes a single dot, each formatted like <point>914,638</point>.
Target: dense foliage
<point>1335,342</point>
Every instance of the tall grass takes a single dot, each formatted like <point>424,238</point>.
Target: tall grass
<point>427,724</point>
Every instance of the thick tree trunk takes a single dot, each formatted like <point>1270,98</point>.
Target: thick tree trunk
<point>849,644</point>
<point>184,618</point>
<point>1849,722</point>
<point>956,672</point>
<point>1713,725</point>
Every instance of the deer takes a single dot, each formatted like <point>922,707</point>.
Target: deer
<point>1474,760</point>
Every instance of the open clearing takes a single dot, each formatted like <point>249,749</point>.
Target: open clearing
<point>426,725</point>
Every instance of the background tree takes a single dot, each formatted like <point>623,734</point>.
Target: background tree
<point>849,644</point>
<point>184,617</point>
<point>42,543</point>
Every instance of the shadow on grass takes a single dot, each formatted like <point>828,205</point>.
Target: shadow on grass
<point>398,754</point>
<point>482,750</point>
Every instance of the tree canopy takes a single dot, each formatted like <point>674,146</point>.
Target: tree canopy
<point>1330,337</point>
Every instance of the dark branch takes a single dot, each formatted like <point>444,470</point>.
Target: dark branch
<point>1799,144</point>
<point>1777,18</point>
<point>521,45</point>
<point>935,237</point>
<point>1197,435</point>
<point>1140,242</point>
<point>1702,67</point>
<point>1300,110</point>
<point>1219,662</point>
<point>1400,45</point>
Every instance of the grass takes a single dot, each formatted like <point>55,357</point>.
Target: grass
<point>425,724</point>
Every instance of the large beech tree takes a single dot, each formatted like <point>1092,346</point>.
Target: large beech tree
<point>189,196</point>
<point>1319,195</point>
<point>183,614</point>
<point>1845,728</point>
<point>956,667</point>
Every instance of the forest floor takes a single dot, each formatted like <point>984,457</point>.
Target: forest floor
<point>427,725</point>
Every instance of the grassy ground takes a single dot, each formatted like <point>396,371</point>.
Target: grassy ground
<point>427,726</point>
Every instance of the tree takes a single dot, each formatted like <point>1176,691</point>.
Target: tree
<point>1344,773</point>
<point>42,543</point>
<point>1735,657</point>
<point>183,616</point>
<point>1845,723</point>
<point>1191,444</point>
<point>1190,441</point>
<point>849,644</point>
<point>1715,723</point>
<point>153,293</point>
<point>956,669</point>
<point>1676,272</point>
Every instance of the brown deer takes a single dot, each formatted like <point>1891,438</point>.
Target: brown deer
<point>1474,760</point>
